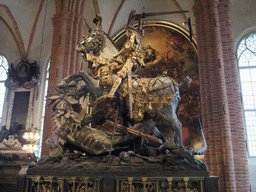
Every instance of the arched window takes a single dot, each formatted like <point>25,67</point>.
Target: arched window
<point>246,56</point>
<point>38,152</point>
<point>3,76</point>
<point>45,93</point>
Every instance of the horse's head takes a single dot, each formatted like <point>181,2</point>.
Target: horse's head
<point>92,42</point>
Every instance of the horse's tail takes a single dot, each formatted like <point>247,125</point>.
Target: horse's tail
<point>203,149</point>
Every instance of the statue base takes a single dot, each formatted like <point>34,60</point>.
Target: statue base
<point>109,174</point>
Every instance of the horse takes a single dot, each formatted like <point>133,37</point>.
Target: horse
<point>155,96</point>
<point>152,96</point>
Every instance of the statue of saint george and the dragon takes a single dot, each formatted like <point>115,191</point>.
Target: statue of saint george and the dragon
<point>121,127</point>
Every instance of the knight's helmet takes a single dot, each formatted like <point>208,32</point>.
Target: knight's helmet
<point>137,32</point>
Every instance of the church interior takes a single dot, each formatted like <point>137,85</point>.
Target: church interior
<point>213,42</point>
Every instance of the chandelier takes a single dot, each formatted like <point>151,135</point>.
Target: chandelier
<point>31,136</point>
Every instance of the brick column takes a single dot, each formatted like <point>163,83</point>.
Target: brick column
<point>64,59</point>
<point>234,98</point>
<point>221,105</point>
<point>205,87</point>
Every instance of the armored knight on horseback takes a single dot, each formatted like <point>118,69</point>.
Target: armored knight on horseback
<point>131,57</point>
<point>128,60</point>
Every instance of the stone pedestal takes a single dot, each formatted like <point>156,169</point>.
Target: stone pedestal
<point>137,179</point>
<point>128,172</point>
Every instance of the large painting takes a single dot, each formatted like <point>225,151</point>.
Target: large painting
<point>167,48</point>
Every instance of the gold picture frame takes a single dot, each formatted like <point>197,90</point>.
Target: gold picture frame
<point>23,70</point>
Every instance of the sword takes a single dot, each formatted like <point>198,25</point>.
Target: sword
<point>130,86</point>
<point>162,13</point>
<point>143,15</point>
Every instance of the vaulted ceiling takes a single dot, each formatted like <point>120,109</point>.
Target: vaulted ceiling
<point>26,25</point>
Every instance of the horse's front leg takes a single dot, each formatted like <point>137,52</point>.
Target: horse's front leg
<point>170,117</point>
<point>177,127</point>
